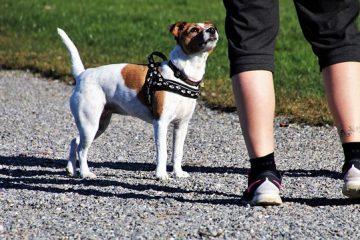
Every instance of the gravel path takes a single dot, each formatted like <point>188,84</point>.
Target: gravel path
<point>38,200</point>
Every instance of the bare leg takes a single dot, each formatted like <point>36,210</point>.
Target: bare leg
<point>255,99</point>
<point>342,87</point>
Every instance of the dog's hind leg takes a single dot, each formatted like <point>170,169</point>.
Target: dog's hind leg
<point>71,165</point>
<point>87,112</point>
<point>89,128</point>
<point>87,136</point>
<point>104,122</point>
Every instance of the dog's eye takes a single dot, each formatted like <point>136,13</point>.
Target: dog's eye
<point>194,30</point>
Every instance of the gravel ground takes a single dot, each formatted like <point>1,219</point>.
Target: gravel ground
<point>38,200</point>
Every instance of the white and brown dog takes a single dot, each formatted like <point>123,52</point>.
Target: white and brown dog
<point>123,89</point>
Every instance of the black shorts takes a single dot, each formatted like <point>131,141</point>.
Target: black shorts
<point>328,25</point>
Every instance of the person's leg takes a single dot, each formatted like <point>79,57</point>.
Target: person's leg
<point>255,100</point>
<point>330,28</point>
<point>342,87</point>
<point>251,28</point>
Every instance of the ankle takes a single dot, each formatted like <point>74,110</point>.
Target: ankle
<point>351,151</point>
<point>265,163</point>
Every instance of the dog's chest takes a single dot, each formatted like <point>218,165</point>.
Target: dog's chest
<point>176,107</point>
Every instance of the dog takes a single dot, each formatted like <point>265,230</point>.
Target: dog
<point>161,93</point>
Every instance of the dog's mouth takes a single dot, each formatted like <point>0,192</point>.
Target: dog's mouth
<point>201,42</point>
<point>210,39</point>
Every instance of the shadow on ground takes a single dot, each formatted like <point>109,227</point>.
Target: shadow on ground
<point>17,173</point>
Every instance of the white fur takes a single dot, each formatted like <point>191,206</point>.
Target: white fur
<point>96,87</point>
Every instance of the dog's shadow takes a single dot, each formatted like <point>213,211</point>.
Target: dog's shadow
<point>27,173</point>
<point>18,173</point>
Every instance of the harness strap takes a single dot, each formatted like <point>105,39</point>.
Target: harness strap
<point>180,74</point>
<point>175,87</point>
<point>155,82</point>
<point>151,57</point>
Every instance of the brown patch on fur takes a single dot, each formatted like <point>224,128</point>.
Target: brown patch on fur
<point>158,103</point>
<point>134,77</point>
<point>209,23</point>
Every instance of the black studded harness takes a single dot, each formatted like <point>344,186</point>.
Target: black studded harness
<point>155,82</point>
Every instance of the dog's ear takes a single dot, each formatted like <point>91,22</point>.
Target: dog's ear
<point>209,23</point>
<point>176,29</point>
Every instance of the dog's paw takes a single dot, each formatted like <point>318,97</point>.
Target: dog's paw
<point>162,176</point>
<point>181,174</point>
<point>88,175</point>
<point>71,171</point>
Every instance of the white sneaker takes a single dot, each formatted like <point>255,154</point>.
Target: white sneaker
<point>351,176</point>
<point>264,189</point>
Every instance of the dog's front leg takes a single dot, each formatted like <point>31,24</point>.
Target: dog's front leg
<point>160,130</point>
<point>180,131</point>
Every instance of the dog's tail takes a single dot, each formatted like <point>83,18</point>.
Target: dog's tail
<point>77,67</point>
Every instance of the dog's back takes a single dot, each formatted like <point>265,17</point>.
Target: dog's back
<point>121,85</point>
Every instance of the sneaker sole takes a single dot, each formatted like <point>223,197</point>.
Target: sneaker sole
<point>352,190</point>
<point>266,200</point>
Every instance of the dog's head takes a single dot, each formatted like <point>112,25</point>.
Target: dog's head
<point>195,37</point>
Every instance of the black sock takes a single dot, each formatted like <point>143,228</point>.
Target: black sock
<point>351,150</point>
<point>262,164</point>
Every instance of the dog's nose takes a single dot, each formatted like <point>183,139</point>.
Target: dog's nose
<point>211,30</point>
